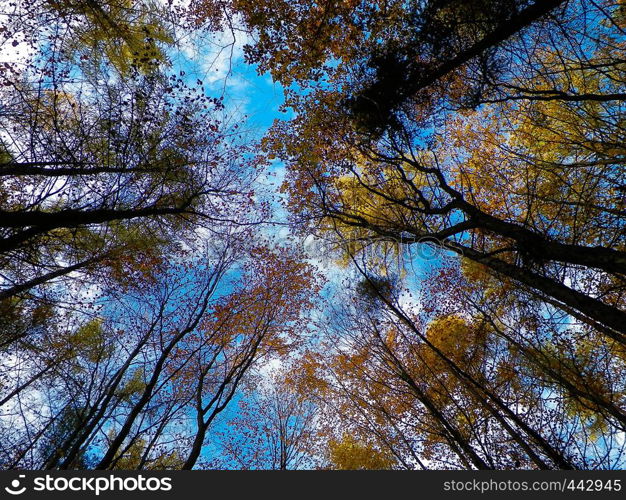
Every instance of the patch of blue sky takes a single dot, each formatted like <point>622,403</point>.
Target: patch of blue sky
<point>215,62</point>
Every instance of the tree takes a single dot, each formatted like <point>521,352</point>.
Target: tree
<point>274,428</point>
<point>126,250</point>
<point>440,388</point>
<point>182,346</point>
<point>492,130</point>
<point>349,454</point>
<point>144,296</point>
<point>105,170</point>
<point>409,182</point>
<point>128,35</point>
<point>261,319</point>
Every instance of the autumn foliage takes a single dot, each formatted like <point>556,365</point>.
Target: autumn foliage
<point>459,166</point>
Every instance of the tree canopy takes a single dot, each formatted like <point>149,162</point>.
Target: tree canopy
<point>420,265</point>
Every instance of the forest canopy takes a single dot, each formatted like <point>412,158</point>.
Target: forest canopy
<point>337,234</point>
